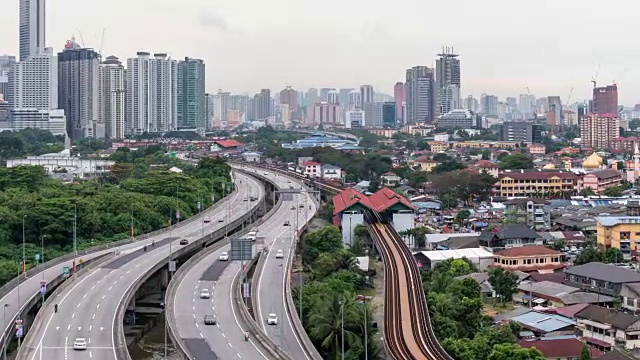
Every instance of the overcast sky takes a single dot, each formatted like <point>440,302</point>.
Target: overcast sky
<point>504,45</point>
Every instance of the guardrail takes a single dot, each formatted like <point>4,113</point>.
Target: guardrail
<point>13,283</point>
<point>118,332</point>
<point>65,283</point>
<point>182,351</point>
<point>293,315</point>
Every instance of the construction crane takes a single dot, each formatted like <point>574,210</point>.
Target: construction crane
<point>595,77</point>
<point>81,38</point>
<point>101,43</point>
<point>621,75</point>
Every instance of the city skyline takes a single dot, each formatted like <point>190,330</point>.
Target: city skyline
<point>494,61</point>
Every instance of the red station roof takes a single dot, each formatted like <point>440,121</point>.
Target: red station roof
<point>228,143</point>
<point>379,201</point>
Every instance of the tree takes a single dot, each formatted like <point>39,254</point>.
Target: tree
<point>503,282</point>
<point>447,166</point>
<point>613,191</point>
<point>462,216</point>
<point>326,323</point>
<point>326,240</point>
<point>516,161</point>
<point>514,352</point>
<point>585,354</point>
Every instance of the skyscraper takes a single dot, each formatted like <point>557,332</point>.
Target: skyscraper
<point>32,28</point>
<point>263,105</point>
<point>366,94</point>
<point>399,98</point>
<point>448,80</point>
<point>190,93</point>
<point>489,105</point>
<point>355,100</point>
<point>151,93</point>
<point>526,106</point>
<point>333,97</point>
<point>605,99</point>
<point>6,64</point>
<point>311,97</point>
<point>289,97</point>
<point>208,110</point>
<point>112,97</point>
<point>597,131</point>
<point>221,106</point>
<point>420,97</point>
<point>33,83</point>
<point>78,88</point>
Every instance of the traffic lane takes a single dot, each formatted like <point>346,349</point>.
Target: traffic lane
<point>16,298</point>
<point>227,339</point>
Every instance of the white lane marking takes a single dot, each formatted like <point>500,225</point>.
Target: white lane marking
<point>201,335</point>
<point>94,316</point>
<point>103,296</point>
<point>101,328</point>
<point>79,328</point>
<point>89,340</point>
<point>197,325</point>
<point>90,355</point>
<point>85,295</point>
<point>79,305</point>
<point>93,287</point>
<point>90,327</point>
<point>224,336</point>
<point>69,327</point>
<point>66,340</point>
<point>98,306</point>
<point>73,315</point>
<point>57,328</point>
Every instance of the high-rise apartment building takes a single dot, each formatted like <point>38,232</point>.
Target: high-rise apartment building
<point>325,113</point>
<point>323,94</point>
<point>151,93</point>
<point>354,119</point>
<point>389,114</point>
<point>399,98</point>
<point>78,91</point>
<point>311,97</point>
<point>244,104</point>
<point>599,130</point>
<point>420,95</point>
<point>554,112</point>
<point>263,105</point>
<point>6,64</point>
<point>289,97</point>
<point>471,103</point>
<point>333,97</point>
<point>448,80</point>
<point>208,109</point>
<point>32,28</point>
<point>522,131</point>
<point>344,97</point>
<point>366,94</point>
<point>111,95</point>
<point>526,106</point>
<point>190,106</point>
<point>355,100</point>
<point>489,105</point>
<point>33,83</point>
<point>605,99</point>
<point>221,106</point>
<point>457,118</point>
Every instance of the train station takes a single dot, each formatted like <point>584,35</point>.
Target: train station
<point>350,206</point>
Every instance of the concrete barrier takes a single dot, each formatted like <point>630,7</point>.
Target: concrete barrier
<point>308,346</point>
<point>28,344</point>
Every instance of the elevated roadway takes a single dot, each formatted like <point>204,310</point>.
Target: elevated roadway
<point>89,309</point>
<point>273,275</point>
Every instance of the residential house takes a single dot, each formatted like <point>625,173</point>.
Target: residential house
<point>535,183</point>
<point>487,166</point>
<point>557,295</point>
<point>331,172</point>
<point>560,348</point>
<point>543,324</point>
<point>620,232</point>
<point>312,169</point>
<point>630,296</point>
<point>429,259</point>
<point>604,328</point>
<point>537,149</point>
<point>616,354</point>
<point>515,235</point>
<point>390,179</point>
<point>533,212</point>
<point>528,259</point>
<point>601,278</point>
<point>600,180</point>
<point>424,163</point>
<point>439,146</point>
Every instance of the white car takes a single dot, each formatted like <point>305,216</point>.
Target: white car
<point>204,294</point>
<point>272,319</point>
<point>279,254</point>
<point>207,219</point>
<point>80,344</point>
<point>224,256</point>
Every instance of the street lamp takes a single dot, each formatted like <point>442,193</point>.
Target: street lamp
<point>366,326</point>
<point>24,258</point>
<point>4,320</point>
<point>42,262</point>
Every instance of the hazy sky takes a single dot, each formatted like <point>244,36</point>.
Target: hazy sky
<point>504,45</point>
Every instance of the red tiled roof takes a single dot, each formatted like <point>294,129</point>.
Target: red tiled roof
<point>385,198</point>
<point>485,164</point>
<point>537,175</point>
<point>532,250</point>
<point>559,348</point>
<point>553,277</point>
<point>595,341</point>
<point>347,198</point>
<point>571,310</point>
<point>228,143</point>
<point>310,163</point>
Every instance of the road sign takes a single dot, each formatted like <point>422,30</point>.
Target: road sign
<point>198,205</point>
<point>172,266</point>
<point>43,287</point>
<point>66,271</point>
<point>177,214</point>
<point>37,257</point>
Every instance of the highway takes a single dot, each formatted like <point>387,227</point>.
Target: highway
<point>272,277</point>
<point>89,308</point>
<point>225,340</point>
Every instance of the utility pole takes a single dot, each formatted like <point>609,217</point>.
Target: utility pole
<point>24,256</point>
<point>75,238</point>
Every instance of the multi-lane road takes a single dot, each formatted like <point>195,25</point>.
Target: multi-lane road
<point>225,340</point>
<point>271,281</point>
<point>88,309</point>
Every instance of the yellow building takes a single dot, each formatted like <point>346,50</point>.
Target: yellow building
<point>534,183</point>
<point>425,163</point>
<point>439,146</point>
<point>620,232</point>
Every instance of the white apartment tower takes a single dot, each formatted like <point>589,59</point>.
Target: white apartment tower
<point>151,93</point>
<point>221,102</point>
<point>33,83</point>
<point>31,28</point>
<point>112,97</point>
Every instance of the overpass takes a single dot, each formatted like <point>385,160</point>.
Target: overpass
<point>94,307</point>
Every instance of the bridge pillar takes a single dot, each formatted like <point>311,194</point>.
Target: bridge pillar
<point>164,277</point>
